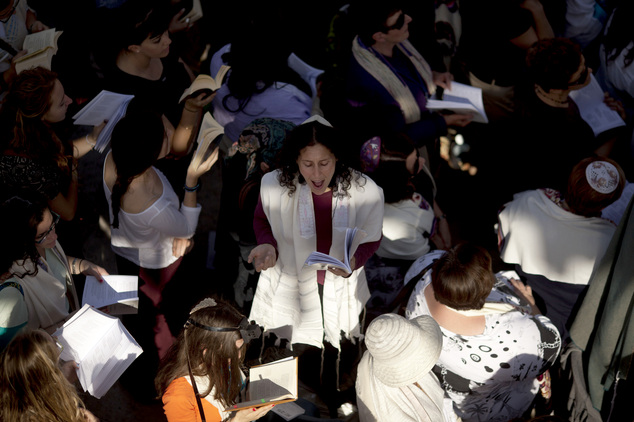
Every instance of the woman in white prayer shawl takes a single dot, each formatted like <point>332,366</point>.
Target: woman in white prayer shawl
<point>394,378</point>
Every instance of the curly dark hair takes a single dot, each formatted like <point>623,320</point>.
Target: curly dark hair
<point>310,134</point>
<point>22,211</point>
<point>552,62</point>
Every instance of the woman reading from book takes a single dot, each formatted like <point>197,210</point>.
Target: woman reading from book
<point>306,206</point>
<point>139,62</point>
<point>36,286</point>
<point>200,375</point>
<point>33,155</point>
<point>33,386</point>
<point>151,228</point>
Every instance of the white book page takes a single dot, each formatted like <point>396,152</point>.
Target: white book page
<point>114,289</point>
<point>93,340</point>
<point>101,108</point>
<point>458,97</point>
<point>593,110</point>
<point>38,41</point>
<point>126,352</point>
<point>276,379</point>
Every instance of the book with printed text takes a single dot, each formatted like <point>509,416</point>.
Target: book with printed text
<point>205,83</point>
<point>40,47</point>
<point>106,106</point>
<point>101,345</point>
<point>270,383</point>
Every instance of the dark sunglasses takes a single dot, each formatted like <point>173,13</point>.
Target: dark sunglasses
<point>400,22</point>
<point>15,5</point>
<point>41,238</point>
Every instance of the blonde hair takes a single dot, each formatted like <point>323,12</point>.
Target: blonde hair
<point>32,386</point>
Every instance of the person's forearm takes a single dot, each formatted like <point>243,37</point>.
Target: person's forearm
<point>183,134</point>
<point>83,145</point>
<point>191,186</point>
<point>543,29</point>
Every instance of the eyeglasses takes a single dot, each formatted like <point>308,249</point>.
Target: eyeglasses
<point>582,78</point>
<point>15,5</point>
<point>41,238</point>
<point>400,22</point>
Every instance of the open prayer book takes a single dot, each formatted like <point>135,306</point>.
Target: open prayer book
<point>271,383</point>
<point>210,130</point>
<point>117,295</point>
<point>593,110</point>
<point>101,346</point>
<point>40,47</point>
<point>463,99</point>
<point>352,240</point>
<point>205,83</point>
<point>110,106</point>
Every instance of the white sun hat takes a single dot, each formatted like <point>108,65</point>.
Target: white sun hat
<point>403,350</point>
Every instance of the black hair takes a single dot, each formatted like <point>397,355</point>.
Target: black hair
<point>21,211</point>
<point>310,134</point>
<point>136,144</point>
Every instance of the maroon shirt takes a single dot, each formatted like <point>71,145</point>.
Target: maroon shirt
<point>323,226</point>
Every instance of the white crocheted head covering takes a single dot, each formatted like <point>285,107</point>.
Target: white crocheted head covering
<point>602,176</point>
<point>403,350</point>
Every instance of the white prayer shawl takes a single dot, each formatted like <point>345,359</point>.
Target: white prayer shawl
<point>369,59</point>
<point>547,240</point>
<point>378,402</point>
<point>287,298</point>
<point>45,294</point>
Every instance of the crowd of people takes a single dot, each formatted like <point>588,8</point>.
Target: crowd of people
<point>458,292</point>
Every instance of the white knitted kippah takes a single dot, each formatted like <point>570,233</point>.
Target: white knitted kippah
<point>403,350</point>
<point>602,176</point>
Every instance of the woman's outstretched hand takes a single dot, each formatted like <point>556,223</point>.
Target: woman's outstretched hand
<point>262,257</point>
<point>251,414</point>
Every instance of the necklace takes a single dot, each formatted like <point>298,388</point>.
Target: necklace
<point>548,99</point>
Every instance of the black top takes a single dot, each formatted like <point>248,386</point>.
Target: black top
<point>487,28</point>
<point>161,95</point>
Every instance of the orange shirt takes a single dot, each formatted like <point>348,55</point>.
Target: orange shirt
<point>179,404</point>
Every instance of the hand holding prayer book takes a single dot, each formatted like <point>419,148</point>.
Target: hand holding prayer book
<point>101,346</point>
<point>210,131</point>
<point>593,109</point>
<point>205,84</point>
<point>106,106</point>
<point>271,383</point>
<point>116,295</point>
<point>40,47</point>
<point>463,99</point>
<point>351,241</point>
